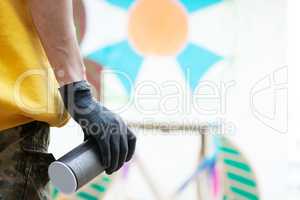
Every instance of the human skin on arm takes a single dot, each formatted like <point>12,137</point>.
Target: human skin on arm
<point>54,23</point>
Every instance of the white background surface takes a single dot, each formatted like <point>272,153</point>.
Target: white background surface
<point>294,99</point>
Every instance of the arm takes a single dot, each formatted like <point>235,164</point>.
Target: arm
<point>54,22</point>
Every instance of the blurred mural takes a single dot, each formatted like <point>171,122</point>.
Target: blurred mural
<point>148,60</point>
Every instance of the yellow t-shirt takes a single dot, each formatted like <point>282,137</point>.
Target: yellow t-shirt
<point>28,88</point>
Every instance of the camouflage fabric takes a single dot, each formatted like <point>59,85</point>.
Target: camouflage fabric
<point>24,162</point>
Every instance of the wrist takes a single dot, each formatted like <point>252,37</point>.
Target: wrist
<point>66,76</point>
<point>76,95</point>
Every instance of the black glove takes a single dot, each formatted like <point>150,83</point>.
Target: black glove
<point>115,141</point>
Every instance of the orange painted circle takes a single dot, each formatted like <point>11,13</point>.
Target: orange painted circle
<point>158,27</point>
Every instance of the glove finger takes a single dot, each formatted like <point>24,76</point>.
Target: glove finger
<point>115,154</point>
<point>105,152</point>
<point>131,144</point>
<point>123,151</point>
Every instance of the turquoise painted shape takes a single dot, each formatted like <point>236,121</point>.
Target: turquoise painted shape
<point>86,196</point>
<point>195,5</point>
<point>241,179</point>
<point>237,164</point>
<point>243,193</point>
<point>124,4</point>
<point>54,193</point>
<point>122,59</point>
<point>228,150</point>
<point>106,179</point>
<point>195,61</point>
<point>99,188</point>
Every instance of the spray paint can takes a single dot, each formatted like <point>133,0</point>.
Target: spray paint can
<point>76,168</point>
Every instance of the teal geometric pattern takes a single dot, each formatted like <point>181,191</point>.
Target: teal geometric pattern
<point>195,61</point>
<point>122,59</point>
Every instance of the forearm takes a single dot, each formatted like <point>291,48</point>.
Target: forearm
<point>54,22</point>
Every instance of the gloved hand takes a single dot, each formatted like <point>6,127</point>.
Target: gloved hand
<point>115,140</point>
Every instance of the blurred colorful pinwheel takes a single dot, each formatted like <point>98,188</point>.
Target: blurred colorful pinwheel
<point>142,29</point>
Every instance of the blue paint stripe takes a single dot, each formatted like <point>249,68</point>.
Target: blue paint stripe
<point>195,5</point>
<point>195,61</point>
<point>124,4</point>
<point>122,59</point>
<point>203,165</point>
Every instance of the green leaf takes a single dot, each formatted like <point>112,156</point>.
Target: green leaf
<point>238,178</point>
